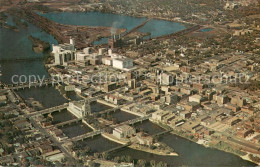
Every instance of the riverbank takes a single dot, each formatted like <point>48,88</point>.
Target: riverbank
<point>166,152</point>
<point>155,151</point>
<point>38,45</point>
<point>211,146</point>
<point>246,157</point>
<point>109,11</point>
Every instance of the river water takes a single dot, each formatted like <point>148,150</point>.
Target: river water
<point>16,45</point>
<point>155,26</point>
<point>190,153</point>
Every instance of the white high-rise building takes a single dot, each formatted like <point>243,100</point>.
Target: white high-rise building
<point>64,53</point>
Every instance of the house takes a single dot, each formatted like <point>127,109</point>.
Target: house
<point>79,89</point>
<point>220,99</point>
<point>114,99</point>
<point>144,139</point>
<point>110,86</point>
<point>160,115</point>
<point>238,100</point>
<point>191,106</point>
<point>233,121</point>
<point>124,165</point>
<point>195,98</point>
<point>243,133</point>
<point>3,99</point>
<point>185,114</point>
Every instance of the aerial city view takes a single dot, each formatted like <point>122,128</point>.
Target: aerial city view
<point>130,83</point>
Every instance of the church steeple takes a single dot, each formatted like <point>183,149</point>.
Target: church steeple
<point>86,108</point>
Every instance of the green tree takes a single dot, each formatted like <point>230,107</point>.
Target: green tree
<point>141,163</point>
<point>105,155</point>
<point>117,159</point>
<point>128,158</point>
<point>152,163</point>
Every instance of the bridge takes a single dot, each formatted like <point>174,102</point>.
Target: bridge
<point>180,33</point>
<point>49,110</point>
<point>3,60</point>
<point>117,148</point>
<point>136,28</point>
<point>85,136</point>
<point>68,122</point>
<point>108,110</point>
<point>161,133</point>
<point>32,84</point>
<point>134,121</point>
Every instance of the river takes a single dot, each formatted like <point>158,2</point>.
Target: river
<point>16,44</point>
<point>155,26</point>
<point>190,153</point>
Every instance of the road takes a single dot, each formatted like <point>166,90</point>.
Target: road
<point>54,140</point>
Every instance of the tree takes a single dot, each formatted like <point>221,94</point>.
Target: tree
<point>123,158</point>
<point>88,150</point>
<point>96,155</point>
<point>105,155</point>
<point>117,159</point>
<point>128,158</point>
<point>161,164</point>
<point>91,164</point>
<point>141,163</point>
<point>153,163</point>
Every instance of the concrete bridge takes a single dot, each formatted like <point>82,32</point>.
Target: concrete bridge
<point>85,136</point>
<point>117,148</point>
<point>3,60</point>
<point>179,33</point>
<point>135,28</point>
<point>68,122</point>
<point>49,110</point>
<point>108,110</point>
<point>33,84</point>
<point>161,133</point>
<point>134,121</point>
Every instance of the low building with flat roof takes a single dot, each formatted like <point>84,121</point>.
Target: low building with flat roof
<point>124,131</point>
